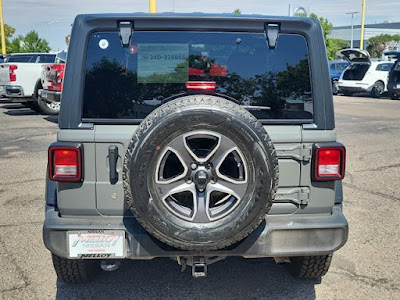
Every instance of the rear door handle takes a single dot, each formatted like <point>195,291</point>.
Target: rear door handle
<point>112,159</point>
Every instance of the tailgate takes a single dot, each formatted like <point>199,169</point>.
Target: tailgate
<point>110,197</point>
<point>26,75</point>
<point>4,74</point>
<point>296,192</point>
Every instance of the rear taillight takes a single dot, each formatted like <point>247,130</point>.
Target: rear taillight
<point>329,162</point>
<point>12,68</point>
<point>53,77</point>
<point>65,163</point>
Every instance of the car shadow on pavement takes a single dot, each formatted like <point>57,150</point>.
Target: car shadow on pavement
<point>233,278</point>
<point>20,112</point>
<point>52,119</point>
<point>17,109</point>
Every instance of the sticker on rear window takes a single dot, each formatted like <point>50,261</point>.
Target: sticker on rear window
<point>163,63</point>
<point>103,44</point>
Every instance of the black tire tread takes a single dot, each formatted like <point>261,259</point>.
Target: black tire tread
<point>374,91</point>
<point>44,109</point>
<point>73,270</point>
<point>310,267</point>
<point>40,105</point>
<point>394,96</point>
<point>164,111</point>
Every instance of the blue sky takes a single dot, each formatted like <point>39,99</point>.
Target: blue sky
<point>52,19</point>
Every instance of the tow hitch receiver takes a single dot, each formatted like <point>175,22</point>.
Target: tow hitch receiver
<point>199,268</point>
<point>199,264</point>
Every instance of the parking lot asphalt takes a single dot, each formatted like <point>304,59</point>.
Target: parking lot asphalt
<point>367,267</point>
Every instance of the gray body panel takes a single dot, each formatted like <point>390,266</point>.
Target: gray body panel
<point>102,197</point>
<point>305,218</point>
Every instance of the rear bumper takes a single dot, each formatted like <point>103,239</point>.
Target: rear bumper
<point>354,89</point>
<point>51,96</point>
<point>394,87</point>
<point>12,91</point>
<point>276,236</point>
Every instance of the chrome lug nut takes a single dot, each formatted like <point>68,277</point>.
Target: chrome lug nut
<point>193,166</point>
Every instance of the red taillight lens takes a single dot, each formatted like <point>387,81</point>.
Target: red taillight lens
<point>201,85</point>
<point>65,163</point>
<point>12,68</point>
<point>53,77</point>
<point>329,163</point>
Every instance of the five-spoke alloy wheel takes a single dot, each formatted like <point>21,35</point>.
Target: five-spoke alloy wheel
<point>201,176</point>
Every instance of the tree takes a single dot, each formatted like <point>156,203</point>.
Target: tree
<point>8,32</point>
<point>379,43</point>
<point>332,45</point>
<point>237,11</point>
<point>31,42</point>
<point>15,45</point>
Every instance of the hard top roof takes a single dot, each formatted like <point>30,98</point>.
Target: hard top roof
<point>194,15</point>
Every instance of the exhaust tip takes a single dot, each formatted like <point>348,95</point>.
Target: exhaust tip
<point>110,265</point>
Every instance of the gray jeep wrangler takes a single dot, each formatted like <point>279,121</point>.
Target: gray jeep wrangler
<point>195,137</point>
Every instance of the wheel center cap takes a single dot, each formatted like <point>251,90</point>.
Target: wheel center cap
<point>201,179</point>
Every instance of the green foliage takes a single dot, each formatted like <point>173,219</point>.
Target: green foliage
<point>237,11</point>
<point>332,45</point>
<point>8,32</point>
<point>325,24</point>
<point>377,44</point>
<point>15,45</point>
<point>31,42</point>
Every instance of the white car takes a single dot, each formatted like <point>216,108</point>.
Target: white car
<point>363,75</point>
<point>20,77</point>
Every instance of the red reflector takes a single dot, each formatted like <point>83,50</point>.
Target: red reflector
<point>201,85</point>
<point>65,163</point>
<point>329,163</point>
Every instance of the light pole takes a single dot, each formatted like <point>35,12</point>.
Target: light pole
<point>47,28</point>
<point>362,25</point>
<point>3,37</point>
<point>153,6</point>
<point>352,16</point>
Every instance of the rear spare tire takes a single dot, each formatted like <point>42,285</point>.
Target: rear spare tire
<point>200,173</point>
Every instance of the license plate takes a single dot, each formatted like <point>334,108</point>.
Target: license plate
<point>398,86</point>
<point>96,244</point>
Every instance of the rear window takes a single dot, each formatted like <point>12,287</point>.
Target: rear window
<point>25,58</point>
<point>47,58</point>
<point>61,58</point>
<point>384,67</point>
<point>342,66</point>
<point>128,83</point>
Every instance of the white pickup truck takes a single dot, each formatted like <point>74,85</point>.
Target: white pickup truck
<point>20,76</point>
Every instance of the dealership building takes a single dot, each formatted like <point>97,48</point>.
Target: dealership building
<point>370,30</point>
